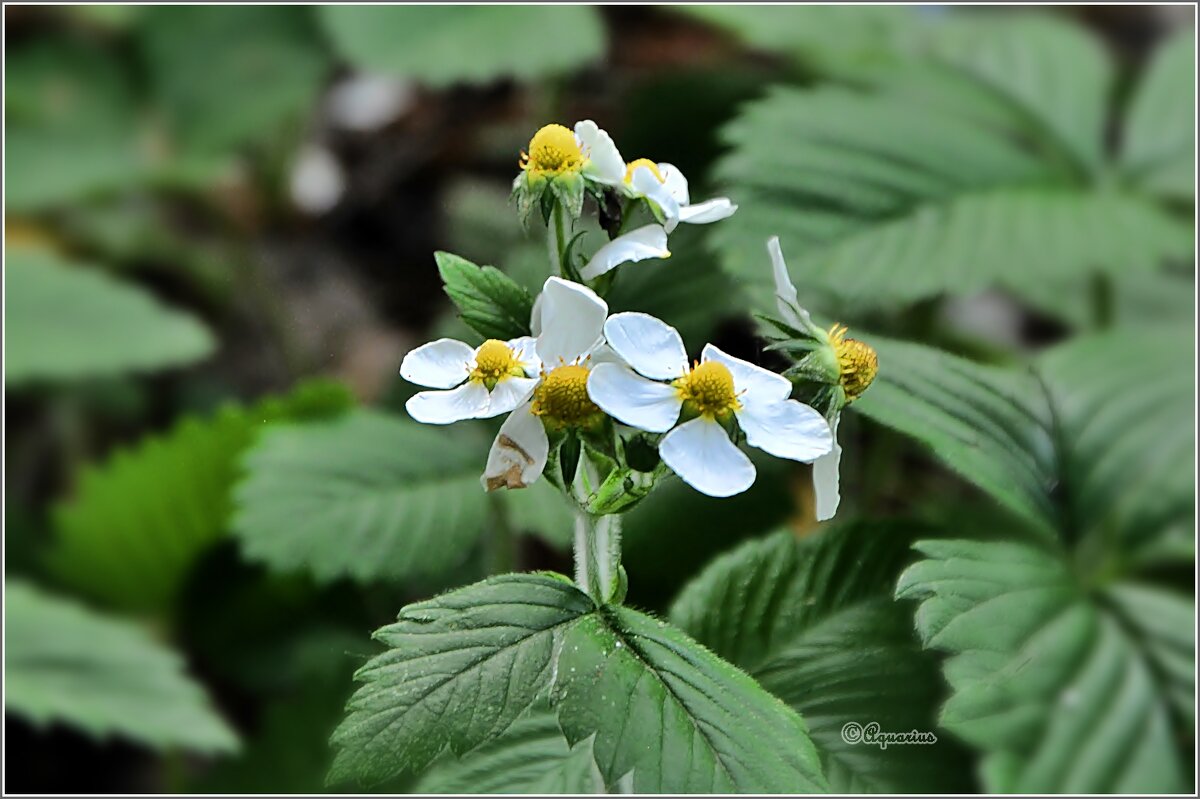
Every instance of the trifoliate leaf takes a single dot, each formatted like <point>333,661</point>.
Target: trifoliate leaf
<point>64,664</point>
<point>679,718</point>
<point>487,299</point>
<point>66,321</point>
<point>460,669</point>
<point>474,44</point>
<point>137,522</point>
<point>532,756</point>
<point>814,622</point>
<point>1055,682</point>
<point>368,496</point>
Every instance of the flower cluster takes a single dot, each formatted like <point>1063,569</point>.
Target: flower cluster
<point>606,405</point>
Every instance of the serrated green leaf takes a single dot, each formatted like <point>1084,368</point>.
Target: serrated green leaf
<point>271,66</point>
<point>487,299</point>
<point>813,621</point>
<point>64,664</point>
<point>1158,147</point>
<point>994,182</point>
<point>368,496</point>
<point>655,700</point>
<point>137,522</point>
<point>532,757</point>
<point>1061,692</point>
<point>71,125</point>
<point>487,42</point>
<point>460,669</point>
<point>67,321</point>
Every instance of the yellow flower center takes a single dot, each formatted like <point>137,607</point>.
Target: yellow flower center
<point>646,162</point>
<point>552,150</point>
<point>562,398</point>
<point>709,389</point>
<point>857,362</point>
<point>495,361</point>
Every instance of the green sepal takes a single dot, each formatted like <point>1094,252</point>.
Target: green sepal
<point>568,191</point>
<point>489,301</point>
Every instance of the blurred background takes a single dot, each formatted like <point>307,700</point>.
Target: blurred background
<point>221,220</point>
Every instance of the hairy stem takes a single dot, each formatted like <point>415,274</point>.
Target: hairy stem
<point>598,556</point>
<point>556,243</point>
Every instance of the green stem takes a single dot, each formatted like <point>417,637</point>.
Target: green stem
<point>556,242</point>
<point>598,556</point>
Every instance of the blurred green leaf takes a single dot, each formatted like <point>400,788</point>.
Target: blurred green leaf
<point>977,163</point>
<point>368,496</point>
<point>101,675</point>
<point>487,299</point>
<point>71,124</point>
<point>813,620</point>
<point>655,699</point>
<point>1057,681</point>
<point>485,653</point>
<point>1159,147</point>
<point>138,521</point>
<point>68,321</point>
<point>532,757</point>
<point>224,76</point>
<point>474,44</point>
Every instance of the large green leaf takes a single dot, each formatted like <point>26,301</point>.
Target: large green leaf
<point>1094,442</point>
<point>672,713</point>
<point>271,64</point>
<point>1055,679</point>
<point>532,756</point>
<point>71,126</point>
<point>460,669</point>
<point>137,522</point>
<point>814,622</point>
<point>1159,146</point>
<point>368,496</point>
<point>475,44</point>
<point>975,162</point>
<point>104,676</point>
<point>67,321</point>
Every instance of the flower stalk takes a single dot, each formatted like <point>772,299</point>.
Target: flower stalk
<point>598,569</point>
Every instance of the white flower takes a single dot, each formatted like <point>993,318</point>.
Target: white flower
<point>665,186</point>
<point>649,241</point>
<point>569,322</point>
<point>482,382</point>
<point>657,385</point>
<point>602,160</point>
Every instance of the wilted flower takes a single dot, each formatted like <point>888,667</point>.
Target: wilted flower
<point>658,389</point>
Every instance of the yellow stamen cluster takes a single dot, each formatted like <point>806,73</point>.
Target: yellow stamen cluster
<point>552,151</point>
<point>709,390</point>
<point>646,162</point>
<point>562,397</point>
<point>857,362</point>
<point>494,361</point>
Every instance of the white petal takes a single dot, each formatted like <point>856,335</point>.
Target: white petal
<point>439,364</point>
<point>675,182</point>
<point>646,184</point>
<point>627,396</point>
<point>713,210</point>
<point>572,322</point>
<point>825,477</point>
<point>508,394</point>
<point>525,351</point>
<point>468,401</point>
<point>535,317</point>
<point>788,429</point>
<point>786,299</point>
<point>649,241</point>
<point>518,454</point>
<point>605,163</point>
<point>701,453</point>
<point>755,383</point>
<point>651,346</point>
